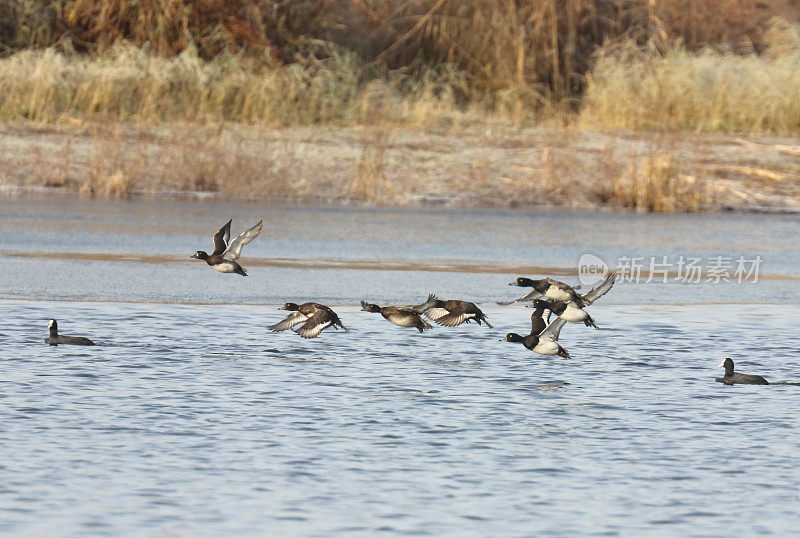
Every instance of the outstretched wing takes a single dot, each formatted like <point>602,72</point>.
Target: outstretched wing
<point>594,294</point>
<point>552,330</point>
<point>424,307</point>
<point>539,322</point>
<point>289,321</point>
<point>436,313</point>
<point>531,295</point>
<point>234,249</point>
<point>315,324</point>
<point>453,319</point>
<point>221,238</point>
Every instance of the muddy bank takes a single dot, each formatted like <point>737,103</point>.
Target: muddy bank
<point>381,165</point>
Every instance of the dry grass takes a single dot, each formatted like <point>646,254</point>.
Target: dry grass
<point>183,96</point>
<point>654,184</point>
<point>130,84</point>
<point>710,91</point>
<point>531,52</point>
<point>541,47</point>
<point>464,167</point>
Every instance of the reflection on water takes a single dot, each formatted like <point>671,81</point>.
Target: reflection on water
<point>193,418</point>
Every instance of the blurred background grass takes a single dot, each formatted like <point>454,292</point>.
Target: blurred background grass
<point>708,65</point>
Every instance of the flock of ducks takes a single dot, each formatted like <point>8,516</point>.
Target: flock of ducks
<point>549,297</point>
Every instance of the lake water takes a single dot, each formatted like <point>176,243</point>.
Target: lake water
<point>191,417</point>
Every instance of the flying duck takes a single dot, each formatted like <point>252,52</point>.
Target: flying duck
<point>225,254</point>
<point>552,289</point>
<point>451,313</point>
<point>544,342</point>
<point>570,310</point>
<point>55,339</point>
<point>404,316</point>
<point>732,378</point>
<point>316,317</point>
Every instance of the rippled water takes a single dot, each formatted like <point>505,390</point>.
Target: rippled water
<point>194,419</point>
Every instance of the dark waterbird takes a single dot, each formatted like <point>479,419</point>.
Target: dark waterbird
<point>542,341</point>
<point>733,378</point>
<point>54,339</point>
<point>570,311</point>
<point>316,317</point>
<point>404,316</point>
<point>225,254</point>
<point>451,312</point>
<point>547,287</point>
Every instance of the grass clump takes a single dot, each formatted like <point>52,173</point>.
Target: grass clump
<point>653,184</point>
<point>128,83</point>
<point>709,91</point>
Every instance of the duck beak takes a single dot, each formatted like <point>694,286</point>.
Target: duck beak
<point>720,365</point>
<point>512,283</point>
<point>193,257</point>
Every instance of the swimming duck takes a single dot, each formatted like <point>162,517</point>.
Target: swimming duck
<point>55,339</point>
<point>732,378</point>
<point>544,342</point>
<point>316,317</point>
<point>570,310</point>
<point>225,254</point>
<point>403,316</point>
<point>548,287</point>
<point>451,312</point>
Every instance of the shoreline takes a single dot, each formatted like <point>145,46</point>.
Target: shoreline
<point>482,167</point>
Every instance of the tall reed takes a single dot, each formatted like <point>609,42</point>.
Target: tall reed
<point>710,91</point>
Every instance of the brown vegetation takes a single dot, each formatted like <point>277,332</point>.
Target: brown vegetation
<point>468,167</point>
<point>532,50</point>
<point>185,95</point>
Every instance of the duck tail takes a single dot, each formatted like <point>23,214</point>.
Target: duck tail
<point>242,271</point>
<point>563,352</point>
<point>589,322</point>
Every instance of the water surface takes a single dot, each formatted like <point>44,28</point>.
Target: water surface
<point>190,417</point>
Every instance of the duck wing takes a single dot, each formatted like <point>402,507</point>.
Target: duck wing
<point>531,295</point>
<point>221,238</point>
<point>422,308</point>
<point>539,321</point>
<point>315,324</point>
<point>595,293</point>
<point>234,249</point>
<point>289,321</point>
<point>453,319</point>
<point>552,330</point>
<point>436,313</point>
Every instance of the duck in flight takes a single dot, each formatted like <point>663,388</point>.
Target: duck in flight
<point>733,378</point>
<point>542,341</point>
<point>316,317</point>
<point>547,287</point>
<point>56,339</point>
<point>404,316</point>
<point>225,254</point>
<point>451,313</point>
<point>570,310</point>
